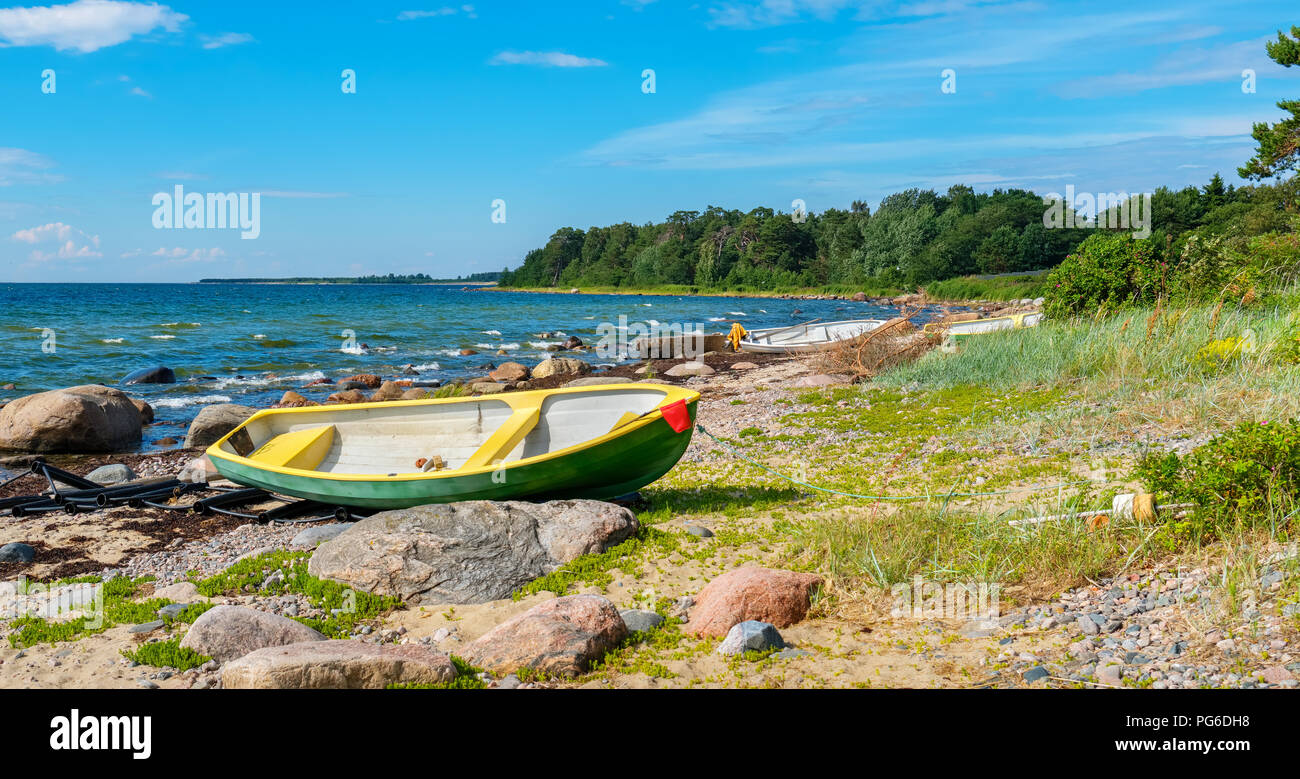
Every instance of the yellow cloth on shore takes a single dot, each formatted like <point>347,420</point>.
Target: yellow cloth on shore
<point>734,337</point>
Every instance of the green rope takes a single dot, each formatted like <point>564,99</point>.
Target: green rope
<point>947,496</point>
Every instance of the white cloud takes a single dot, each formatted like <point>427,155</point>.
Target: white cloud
<point>55,230</point>
<point>300,195</point>
<point>1181,68</point>
<point>740,14</point>
<point>179,255</point>
<point>408,16</point>
<point>20,165</point>
<point>769,13</point>
<point>549,59</point>
<point>226,39</point>
<point>86,25</point>
<point>138,92</point>
<point>181,175</point>
<point>72,243</point>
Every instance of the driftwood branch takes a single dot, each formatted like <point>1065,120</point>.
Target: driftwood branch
<point>895,342</point>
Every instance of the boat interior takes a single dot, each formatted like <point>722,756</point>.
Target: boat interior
<point>814,333</point>
<point>417,437</point>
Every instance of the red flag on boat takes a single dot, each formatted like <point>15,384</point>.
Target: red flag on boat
<point>677,416</point>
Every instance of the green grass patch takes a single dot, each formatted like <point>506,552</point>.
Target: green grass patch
<point>665,503</point>
<point>641,651</point>
<point>118,609</point>
<point>909,415</point>
<point>346,607</point>
<point>247,575</point>
<point>166,654</point>
<point>467,678</point>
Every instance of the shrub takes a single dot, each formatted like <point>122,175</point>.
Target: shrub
<point>1277,255</point>
<point>1107,271</point>
<point>1246,474</point>
<point>1207,265</point>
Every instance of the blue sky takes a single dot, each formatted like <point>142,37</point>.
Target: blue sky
<point>541,105</point>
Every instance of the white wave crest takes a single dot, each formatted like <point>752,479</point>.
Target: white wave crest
<point>192,400</point>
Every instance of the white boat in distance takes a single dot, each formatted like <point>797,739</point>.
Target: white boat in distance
<point>809,337</point>
<point>960,330</point>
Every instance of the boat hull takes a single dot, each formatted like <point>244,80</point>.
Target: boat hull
<point>798,341</point>
<point>612,466</point>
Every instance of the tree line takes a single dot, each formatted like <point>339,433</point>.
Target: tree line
<point>912,238</point>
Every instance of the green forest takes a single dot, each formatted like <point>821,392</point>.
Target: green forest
<point>912,238</point>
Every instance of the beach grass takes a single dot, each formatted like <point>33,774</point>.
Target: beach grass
<point>1002,288</point>
<point>859,547</point>
<point>1097,393</point>
<point>1218,363</point>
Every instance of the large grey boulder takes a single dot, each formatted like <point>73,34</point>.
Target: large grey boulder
<point>213,422</point>
<point>468,552</point>
<point>641,620</point>
<point>84,419</point>
<point>227,632</point>
<point>751,636</point>
<point>114,473</point>
<point>336,664</point>
<point>17,552</point>
<point>313,536</point>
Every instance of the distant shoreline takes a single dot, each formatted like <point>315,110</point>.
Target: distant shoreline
<point>347,283</point>
<point>919,299</point>
<point>672,293</point>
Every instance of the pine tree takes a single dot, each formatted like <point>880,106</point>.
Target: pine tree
<point>1279,144</point>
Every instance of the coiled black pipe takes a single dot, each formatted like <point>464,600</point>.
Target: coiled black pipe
<point>92,494</point>
<point>60,475</point>
<point>34,507</point>
<point>204,505</point>
<point>104,499</point>
<point>294,509</point>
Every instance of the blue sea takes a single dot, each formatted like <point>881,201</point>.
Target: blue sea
<point>249,343</point>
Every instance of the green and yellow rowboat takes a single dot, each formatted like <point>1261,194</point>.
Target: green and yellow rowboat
<point>583,442</point>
